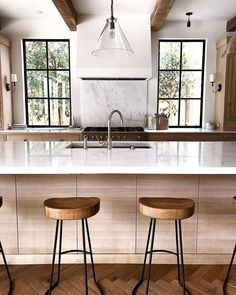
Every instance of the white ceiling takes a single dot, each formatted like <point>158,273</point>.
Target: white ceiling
<point>202,9</point>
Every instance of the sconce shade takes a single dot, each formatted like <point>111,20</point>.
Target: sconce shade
<point>13,78</point>
<point>212,78</point>
<point>112,41</point>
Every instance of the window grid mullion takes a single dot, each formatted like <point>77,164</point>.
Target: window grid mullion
<point>180,82</point>
<point>48,90</point>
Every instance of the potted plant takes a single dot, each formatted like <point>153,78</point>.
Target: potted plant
<point>162,121</point>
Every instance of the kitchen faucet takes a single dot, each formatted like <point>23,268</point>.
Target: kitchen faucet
<point>109,140</point>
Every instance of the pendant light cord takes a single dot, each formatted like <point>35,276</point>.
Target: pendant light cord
<point>112,17</point>
<point>112,25</point>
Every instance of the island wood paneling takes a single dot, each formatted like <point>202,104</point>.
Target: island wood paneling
<point>217,217</point>
<point>8,223</point>
<point>113,228</point>
<point>175,186</point>
<point>36,232</point>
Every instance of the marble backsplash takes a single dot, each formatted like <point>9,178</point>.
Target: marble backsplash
<point>100,97</point>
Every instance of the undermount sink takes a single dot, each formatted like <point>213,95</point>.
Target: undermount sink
<point>115,145</point>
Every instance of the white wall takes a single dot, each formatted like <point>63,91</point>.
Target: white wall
<point>212,32</point>
<point>16,30</point>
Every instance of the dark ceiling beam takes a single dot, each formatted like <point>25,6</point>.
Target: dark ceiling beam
<point>231,25</point>
<point>160,12</point>
<point>68,12</point>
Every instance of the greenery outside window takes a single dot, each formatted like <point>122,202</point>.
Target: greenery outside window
<point>47,82</point>
<point>180,81</point>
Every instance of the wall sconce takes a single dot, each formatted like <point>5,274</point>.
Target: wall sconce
<point>188,21</point>
<point>213,84</point>
<point>13,82</point>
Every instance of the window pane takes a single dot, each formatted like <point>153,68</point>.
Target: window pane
<point>190,112</point>
<point>37,112</point>
<point>37,84</point>
<point>168,84</point>
<point>169,55</point>
<point>60,112</point>
<point>59,84</point>
<point>192,55</point>
<point>58,55</point>
<point>35,55</point>
<point>169,107</point>
<point>191,84</point>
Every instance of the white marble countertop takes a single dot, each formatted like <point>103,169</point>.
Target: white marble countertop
<point>80,130</point>
<point>162,158</point>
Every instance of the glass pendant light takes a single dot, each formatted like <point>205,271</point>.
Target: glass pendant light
<point>112,41</point>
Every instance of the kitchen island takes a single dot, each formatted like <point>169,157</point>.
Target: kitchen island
<point>30,172</point>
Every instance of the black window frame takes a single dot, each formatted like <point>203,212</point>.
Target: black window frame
<point>180,70</point>
<point>48,98</point>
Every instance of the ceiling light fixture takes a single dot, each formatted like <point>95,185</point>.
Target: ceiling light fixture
<point>112,41</point>
<point>188,21</point>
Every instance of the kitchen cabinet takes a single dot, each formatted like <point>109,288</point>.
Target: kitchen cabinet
<point>229,136</point>
<point>184,136</point>
<point>225,100</point>
<point>43,136</point>
<point>5,72</point>
<point>24,137</point>
<point>61,137</point>
<point>2,137</point>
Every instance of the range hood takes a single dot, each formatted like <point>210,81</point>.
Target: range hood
<point>137,66</point>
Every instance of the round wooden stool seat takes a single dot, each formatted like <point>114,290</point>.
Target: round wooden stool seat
<point>0,201</point>
<point>71,208</point>
<point>167,208</point>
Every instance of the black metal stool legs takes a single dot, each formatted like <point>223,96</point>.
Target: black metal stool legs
<point>178,253</point>
<point>51,285</point>
<point>180,256</point>
<point>85,261</point>
<point>59,227</point>
<point>91,257</point>
<point>229,270</point>
<point>7,269</point>
<point>145,258</point>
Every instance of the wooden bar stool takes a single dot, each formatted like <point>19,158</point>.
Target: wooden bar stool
<point>165,209</point>
<point>71,209</point>
<point>5,261</point>
<point>232,258</point>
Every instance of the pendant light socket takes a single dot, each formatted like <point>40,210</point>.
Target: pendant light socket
<point>188,21</point>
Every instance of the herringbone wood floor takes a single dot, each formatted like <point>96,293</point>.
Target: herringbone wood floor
<point>119,279</point>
